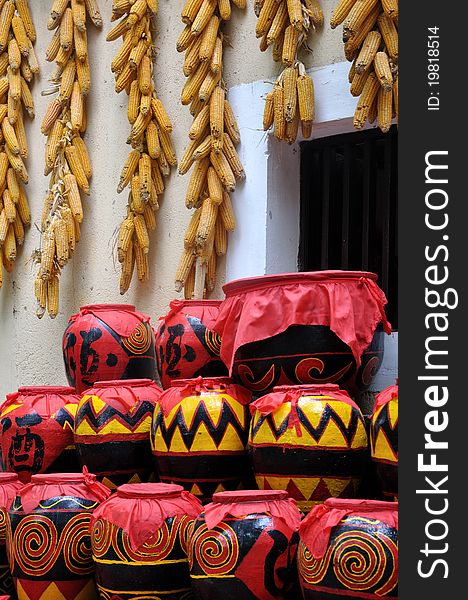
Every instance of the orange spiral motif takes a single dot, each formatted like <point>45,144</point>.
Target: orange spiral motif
<point>76,545</point>
<point>186,527</point>
<point>213,342</point>
<point>312,570</point>
<point>156,549</point>
<point>139,340</point>
<point>101,538</point>
<point>3,522</point>
<point>216,551</point>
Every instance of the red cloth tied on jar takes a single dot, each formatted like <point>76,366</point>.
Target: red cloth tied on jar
<point>182,388</point>
<point>385,396</point>
<point>285,393</point>
<point>122,318</point>
<point>9,486</point>
<point>205,310</point>
<point>125,394</point>
<point>350,303</point>
<point>78,485</point>
<point>316,528</point>
<point>141,509</point>
<point>246,502</point>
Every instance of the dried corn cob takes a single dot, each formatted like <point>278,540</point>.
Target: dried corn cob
<point>153,154</point>
<point>371,43</point>
<point>17,33</point>
<point>214,133</point>
<point>66,157</point>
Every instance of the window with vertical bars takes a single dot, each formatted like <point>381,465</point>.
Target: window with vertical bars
<point>349,191</point>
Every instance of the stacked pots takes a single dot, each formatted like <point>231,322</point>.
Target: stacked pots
<point>104,342</point>
<point>310,440</point>
<point>185,347</point>
<point>349,548</point>
<point>112,430</point>
<point>50,545</point>
<point>319,327</point>
<point>139,540</point>
<point>199,436</point>
<point>9,486</point>
<point>36,431</point>
<point>243,546</point>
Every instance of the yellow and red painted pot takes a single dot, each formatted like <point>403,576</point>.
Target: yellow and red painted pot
<point>9,486</point>
<point>49,544</point>
<point>349,548</point>
<point>185,347</point>
<point>244,545</point>
<point>107,342</point>
<point>309,440</point>
<point>139,540</point>
<point>199,436</point>
<point>112,430</point>
<point>384,441</point>
<point>296,328</point>
<point>36,431</point>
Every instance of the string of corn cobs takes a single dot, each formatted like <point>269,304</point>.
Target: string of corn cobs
<point>18,66</point>
<point>370,34</point>
<point>285,25</point>
<point>211,152</point>
<point>153,154</point>
<point>66,156</point>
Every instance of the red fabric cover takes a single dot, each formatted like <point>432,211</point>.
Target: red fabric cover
<point>349,302</point>
<point>316,528</point>
<point>246,502</point>
<point>205,310</point>
<point>385,396</point>
<point>141,509</point>
<point>79,485</point>
<point>292,393</point>
<point>182,388</point>
<point>122,318</point>
<point>124,394</point>
<point>45,401</point>
<point>9,486</point>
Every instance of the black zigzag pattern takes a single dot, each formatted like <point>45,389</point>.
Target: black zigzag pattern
<point>201,416</point>
<point>383,423</point>
<point>110,413</point>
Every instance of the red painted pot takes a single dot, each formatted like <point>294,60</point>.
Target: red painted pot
<point>112,430</point>
<point>349,548</point>
<point>108,341</point>
<point>139,538</point>
<point>185,347</point>
<point>9,486</point>
<point>199,436</point>
<point>243,546</point>
<point>384,441</point>
<point>36,431</point>
<point>50,545</point>
<point>295,328</point>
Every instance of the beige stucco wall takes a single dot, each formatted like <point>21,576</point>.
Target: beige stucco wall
<point>30,349</point>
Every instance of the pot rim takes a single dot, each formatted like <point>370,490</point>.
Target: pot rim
<point>245,496</point>
<point>31,390</point>
<point>149,490</point>
<point>123,383</point>
<point>127,307</point>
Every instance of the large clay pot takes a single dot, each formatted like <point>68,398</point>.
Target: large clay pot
<point>349,548</point>
<point>185,347</point>
<point>139,539</point>
<point>319,327</point>
<point>199,436</point>
<point>112,430</point>
<point>108,341</point>
<point>9,486</point>
<point>49,545</point>
<point>309,440</point>
<point>36,431</point>
<point>243,546</point>
<point>384,441</point>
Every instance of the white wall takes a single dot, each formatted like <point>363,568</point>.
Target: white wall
<point>30,350</point>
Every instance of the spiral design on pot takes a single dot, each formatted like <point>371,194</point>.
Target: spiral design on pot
<point>76,544</point>
<point>213,342</point>
<point>215,551</point>
<point>186,526</point>
<point>101,538</point>
<point>359,561</point>
<point>155,549</point>
<point>3,522</point>
<point>139,341</point>
<point>35,545</point>
<point>311,569</point>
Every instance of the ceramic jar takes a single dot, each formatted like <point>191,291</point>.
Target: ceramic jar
<point>384,441</point>
<point>9,486</point>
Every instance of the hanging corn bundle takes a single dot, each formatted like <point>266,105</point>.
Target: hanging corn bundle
<point>211,152</point>
<point>18,66</point>
<point>285,26</point>
<point>152,155</point>
<point>370,35</point>
<point>66,156</point>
